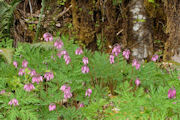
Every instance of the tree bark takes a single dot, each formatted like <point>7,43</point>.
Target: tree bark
<point>172,45</point>
<point>139,34</point>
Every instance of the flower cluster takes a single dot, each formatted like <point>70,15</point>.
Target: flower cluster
<point>15,64</point>
<point>58,44</point>
<point>154,58</point>
<point>136,64</point>
<point>111,59</point>
<point>137,82</point>
<point>66,56</point>
<point>48,76</point>
<point>88,92</point>
<point>79,51</point>
<point>29,87</point>
<point>115,51</point>
<point>85,68</point>
<point>126,54</point>
<point>13,102</point>
<point>47,37</point>
<point>37,78</point>
<point>2,92</point>
<point>171,93</point>
<point>67,91</point>
<point>24,63</point>
<point>52,107</point>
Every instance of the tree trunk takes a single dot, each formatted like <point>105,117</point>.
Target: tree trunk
<point>139,34</point>
<point>172,45</point>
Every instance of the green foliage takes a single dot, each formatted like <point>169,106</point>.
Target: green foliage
<point>6,16</point>
<point>61,2</point>
<point>114,93</point>
<point>115,2</point>
<point>151,1</point>
<point>7,54</point>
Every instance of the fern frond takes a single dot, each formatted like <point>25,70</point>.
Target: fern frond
<point>7,53</point>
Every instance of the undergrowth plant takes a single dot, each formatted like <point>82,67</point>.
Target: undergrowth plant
<point>64,82</point>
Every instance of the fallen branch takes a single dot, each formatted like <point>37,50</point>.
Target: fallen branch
<point>62,13</point>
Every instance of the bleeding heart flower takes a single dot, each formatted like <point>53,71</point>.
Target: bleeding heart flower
<point>58,44</point>
<point>52,107</point>
<point>81,105</point>
<point>2,92</point>
<point>116,50</point>
<point>111,59</point>
<point>24,63</point>
<point>29,87</point>
<point>85,60</point>
<point>78,51</point>
<point>88,92</point>
<point>171,93</point>
<point>137,82</point>
<point>67,91</point>
<point>15,64</point>
<point>154,58</point>
<point>47,37</point>
<point>126,54</point>
<point>13,102</point>
<point>37,78</point>
<point>49,76</point>
<point>85,69</point>
<point>21,72</point>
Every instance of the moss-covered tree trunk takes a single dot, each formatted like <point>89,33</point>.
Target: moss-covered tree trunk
<point>139,34</point>
<point>83,22</point>
<point>172,44</point>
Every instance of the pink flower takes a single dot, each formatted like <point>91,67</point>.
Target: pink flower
<point>13,102</point>
<point>63,88</point>
<point>32,73</point>
<point>154,58</point>
<point>171,93</point>
<point>24,63</point>
<point>136,64</point>
<point>47,37</point>
<point>79,51</point>
<point>2,92</point>
<point>64,52</point>
<point>111,59</point>
<point>81,105</point>
<point>179,77</point>
<point>116,50</point>
<point>21,72</point>
<point>67,59</point>
<point>49,76</point>
<point>52,107</point>
<point>85,60</point>
<point>126,54</point>
<point>137,82</point>
<point>85,69</point>
<point>15,64</point>
<point>29,87</point>
<point>58,44</point>
<point>88,92</point>
<point>67,91</point>
<point>37,79</point>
